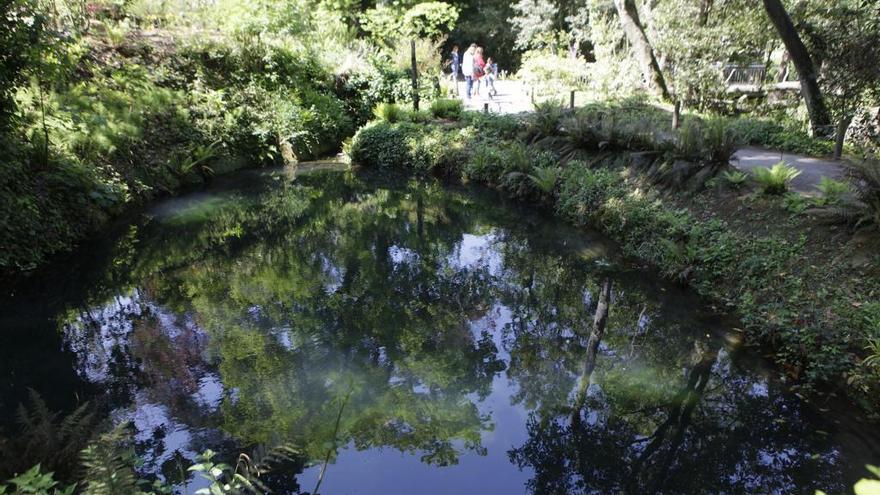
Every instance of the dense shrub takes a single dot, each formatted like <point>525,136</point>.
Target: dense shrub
<point>121,124</point>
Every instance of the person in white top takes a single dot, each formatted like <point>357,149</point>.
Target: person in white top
<point>467,69</point>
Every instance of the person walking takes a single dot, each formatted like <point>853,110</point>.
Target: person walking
<point>479,67</point>
<point>467,69</point>
<point>456,66</point>
<point>491,71</point>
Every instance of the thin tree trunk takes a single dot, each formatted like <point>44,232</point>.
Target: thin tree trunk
<point>676,115</point>
<point>415,76</point>
<point>705,6</point>
<point>840,135</point>
<point>644,53</point>
<point>599,321</point>
<point>819,117</point>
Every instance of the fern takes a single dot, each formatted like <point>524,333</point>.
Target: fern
<point>775,179</point>
<point>545,179</point>
<point>579,135</point>
<point>389,112</point>
<point>544,121</point>
<point>735,178</point>
<point>108,465</point>
<point>44,438</point>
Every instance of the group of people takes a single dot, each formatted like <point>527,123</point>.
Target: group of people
<point>475,70</point>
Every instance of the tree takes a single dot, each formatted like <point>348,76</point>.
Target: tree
<point>845,42</point>
<point>820,119</point>
<point>550,24</point>
<point>21,27</point>
<point>641,47</point>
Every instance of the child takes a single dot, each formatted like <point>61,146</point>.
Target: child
<point>491,70</point>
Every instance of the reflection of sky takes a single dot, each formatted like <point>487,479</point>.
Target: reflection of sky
<point>389,471</point>
<point>477,251</point>
<point>95,336</point>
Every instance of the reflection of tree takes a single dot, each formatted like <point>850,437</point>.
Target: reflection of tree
<point>290,297</point>
<point>680,445</point>
<point>361,295</point>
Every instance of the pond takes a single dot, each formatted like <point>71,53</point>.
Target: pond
<point>408,336</point>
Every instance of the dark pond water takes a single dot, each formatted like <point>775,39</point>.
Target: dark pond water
<point>443,326</point>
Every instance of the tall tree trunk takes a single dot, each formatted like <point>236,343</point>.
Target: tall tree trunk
<point>840,135</point>
<point>644,53</point>
<point>820,120</point>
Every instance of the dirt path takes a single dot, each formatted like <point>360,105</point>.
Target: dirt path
<point>513,98</point>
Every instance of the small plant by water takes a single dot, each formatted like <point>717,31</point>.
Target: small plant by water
<point>775,179</point>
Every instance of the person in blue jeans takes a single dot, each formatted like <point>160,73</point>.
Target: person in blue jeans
<point>467,68</point>
<point>456,66</point>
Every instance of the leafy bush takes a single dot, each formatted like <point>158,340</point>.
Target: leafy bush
<point>492,125</point>
<point>550,72</point>
<point>446,108</point>
<point>380,144</point>
<point>775,179</point>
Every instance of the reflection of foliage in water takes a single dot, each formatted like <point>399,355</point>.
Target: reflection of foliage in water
<point>284,299</point>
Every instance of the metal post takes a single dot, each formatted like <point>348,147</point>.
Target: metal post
<point>571,102</point>
<point>415,76</point>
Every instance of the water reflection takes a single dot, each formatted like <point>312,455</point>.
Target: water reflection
<point>449,328</point>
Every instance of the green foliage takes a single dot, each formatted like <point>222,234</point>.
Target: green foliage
<point>833,191</point>
<point>389,25</point>
<point>389,112</point>
<point>446,108</point>
<point>47,438</point>
<point>429,19</point>
<point>795,202</point>
<point>736,179</point>
<point>545,179</point>
<point>549,72</point>
<point>544,122</point>
<point>223,478</point>
<point>775,179</point>
<point>108,463</point>
<point>34,481</point>
<point>115,127</point>
<point>712,140</point>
